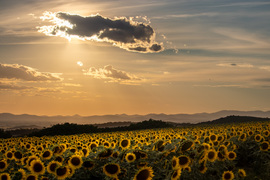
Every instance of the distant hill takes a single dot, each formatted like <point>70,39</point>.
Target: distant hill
<point>12,121</point>
<point>235,119</point>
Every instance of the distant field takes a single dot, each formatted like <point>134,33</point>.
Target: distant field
<point>210,152</point>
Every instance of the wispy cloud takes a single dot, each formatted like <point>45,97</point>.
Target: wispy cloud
<point>112,74</point>
<point>11,86</point>
<point>121,32</point>
<point>243,65</point>
<point>26,73</point>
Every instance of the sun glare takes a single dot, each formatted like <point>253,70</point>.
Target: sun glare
<point>79,63</point>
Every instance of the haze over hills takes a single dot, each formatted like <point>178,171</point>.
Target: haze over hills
<point>12,121</point>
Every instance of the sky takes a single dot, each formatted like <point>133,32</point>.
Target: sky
<point>92,57</point>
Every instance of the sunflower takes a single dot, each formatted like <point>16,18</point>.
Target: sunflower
<point>242,137</point>
<point>264,146</point>
<point>37,167</point>
<point>47,154</point>
<point>142,164</point>
<point>111,169</point>
<point>51,167</point>
<point>175,162</point>
<point>186,145</point>
<point>5,176</point>
<point>124,143</point>
<point>184,161</point>
<point>231,155</point>
<point>202,168</point>
<point>211,155</point>
<point>130,157</point>
<point>258,137</point>
<point>18,155</point>
<point>176,174</point>
<point>93,145</point>
<point>88,164</point>
<point>227,175</point>
<point>145,173</point>
<point>62,172</point>
<point>9,155</point>
<point>75,161</point>
<point>241,173</point>
<point>85,152</point>
<point>187,169</point>
<point>213,137</point>
<point>30,159</point>
<point>59,159</point>
<point>31,177</point>
<point>105,154</point>
<point>221,156</point>
<point>3,165</point>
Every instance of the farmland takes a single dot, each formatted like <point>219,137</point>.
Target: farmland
<point>222,151</point>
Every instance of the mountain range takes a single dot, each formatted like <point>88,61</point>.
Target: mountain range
<point>12,121</point>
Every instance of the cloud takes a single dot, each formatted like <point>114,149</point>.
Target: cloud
<point>21,72</point>
<point>121,32</point>
<point>8,86</point>
<point>114,75</point>
<point>243,65</point>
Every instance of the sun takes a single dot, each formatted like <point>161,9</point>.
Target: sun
<point>79,63</point>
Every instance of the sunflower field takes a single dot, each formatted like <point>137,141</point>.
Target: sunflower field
<point>225,152</point>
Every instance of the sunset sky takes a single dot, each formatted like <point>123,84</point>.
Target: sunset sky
<point>92,57</point>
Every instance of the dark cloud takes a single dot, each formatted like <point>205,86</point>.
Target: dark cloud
<point>16,71</point>
<point>122,32</point>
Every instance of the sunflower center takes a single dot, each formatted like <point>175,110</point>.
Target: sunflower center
<point>111,168</point>
<point>52,167</point>
<point>31,177</point>
<point>186,145</point>
<point>130,157</point>
<point>37,167</point>
<point>88,164</point>
<point>9,155</point>
<point>264,146</point>
<point>2,165</point>
<point>183,160</point>
<point>61,171</point>
<point>75,161</point>
<point>124,143</point>
<point>231,155</point>
<point>227,176</point>
<point>46,154</point>
<point>174,174</point>
<point>211,155</point>
<point>143,175</point>
<point>18,155</point>
<point>4,177</point>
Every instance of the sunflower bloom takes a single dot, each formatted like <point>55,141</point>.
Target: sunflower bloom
<point>176,174</point>
<point>51,167</point>
<point>111,169</point>
<point>231,155</point>
<point>145,173</point>
<point>130,157</point>
<point>242,173</point>
<point>37,167</point>
<point>264,146</point>
<point>3,165</point>
<point>124,143</point>
<point>211,155</point>
<point>227,175</point>
<point>75,161</point>
<point>62,172</point>
<point>184,161</point>
<point>5,176</point>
